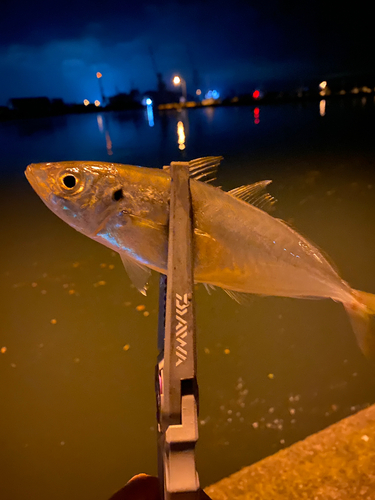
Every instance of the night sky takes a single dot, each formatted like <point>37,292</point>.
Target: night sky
<point>55,48</point>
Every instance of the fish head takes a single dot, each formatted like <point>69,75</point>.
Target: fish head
<point>80,193</point>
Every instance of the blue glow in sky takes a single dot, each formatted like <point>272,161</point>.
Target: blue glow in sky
<point>55,49</point>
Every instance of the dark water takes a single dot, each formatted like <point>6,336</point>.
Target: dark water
<point>77,412</point>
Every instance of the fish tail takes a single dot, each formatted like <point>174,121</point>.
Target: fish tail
<point>361,313</point>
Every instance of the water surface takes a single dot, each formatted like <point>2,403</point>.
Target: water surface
<point>76,376</point>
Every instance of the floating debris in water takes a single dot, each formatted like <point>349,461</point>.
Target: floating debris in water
<point>111,266</point>
<point>103,265</point>
<point>226,351</point>
<point>126,347</point>
<point>255,425</point>
<point>146,313</point>
<point>271,376</point>
<point>53,321</point>
<point>334,407</point>
<point>34,284</point>
<point>294,398</point>
<point>3,350</point>
<point>282,441</point>
<point>72,292</point>
<point>206,350</point>
<point>99,283</point>
<point>17,285</point>
<point>292,411</point>
<point>141,307</point>
<point>271,410</point>
<point>365,438</point>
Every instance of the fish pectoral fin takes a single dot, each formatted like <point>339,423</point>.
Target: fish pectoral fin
<point>138,273</point>
<point>255,195</point>
<point>203,169</point>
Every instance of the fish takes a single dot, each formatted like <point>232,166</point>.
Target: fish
<point>238,245</point>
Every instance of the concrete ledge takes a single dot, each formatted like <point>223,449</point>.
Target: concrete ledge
<point>336,463</point>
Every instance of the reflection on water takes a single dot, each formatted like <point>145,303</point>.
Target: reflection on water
<point>150,115</point>
<point>256,116</point>
<point>322,107</point>
<point>103,129</point>
<point>78,342</point>
<point>181,135</point>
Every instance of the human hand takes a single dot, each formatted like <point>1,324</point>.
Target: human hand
<point>144,487</point>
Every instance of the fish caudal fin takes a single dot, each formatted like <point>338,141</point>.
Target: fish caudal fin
<point>362,317</point>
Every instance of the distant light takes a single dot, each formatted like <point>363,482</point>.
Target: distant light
<point>323,85</point>
<point>98,75</point>
<point>146,101</point>
<point>97,103</point>
<point>177,80</point>
<point>86,102</point>
<point>256,94</point>
<point>212,94</point>
<point>198,92</point>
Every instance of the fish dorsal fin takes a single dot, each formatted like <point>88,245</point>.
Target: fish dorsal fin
<point>255,195</point>
<point>203,169</point>
<point>138,273</point>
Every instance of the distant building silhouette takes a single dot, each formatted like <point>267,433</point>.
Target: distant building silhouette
<point>162,95</point>
<point>123,100</point>
<point>30,105</point>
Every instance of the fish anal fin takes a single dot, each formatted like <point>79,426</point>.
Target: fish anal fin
<point>138,273</point>
<point>209,287</point>
<point>255,195</point>
<point>203,169</point>
<point>239,297</point>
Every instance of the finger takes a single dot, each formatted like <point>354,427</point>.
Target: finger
<point>140,487</point>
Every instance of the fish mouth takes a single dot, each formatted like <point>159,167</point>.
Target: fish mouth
<point>37,180</point>
<point>30,176</point>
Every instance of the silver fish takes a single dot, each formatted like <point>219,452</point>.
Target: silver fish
<point>238,245</point>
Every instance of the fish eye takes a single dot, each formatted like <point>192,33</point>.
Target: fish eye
<point>69,181</point>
